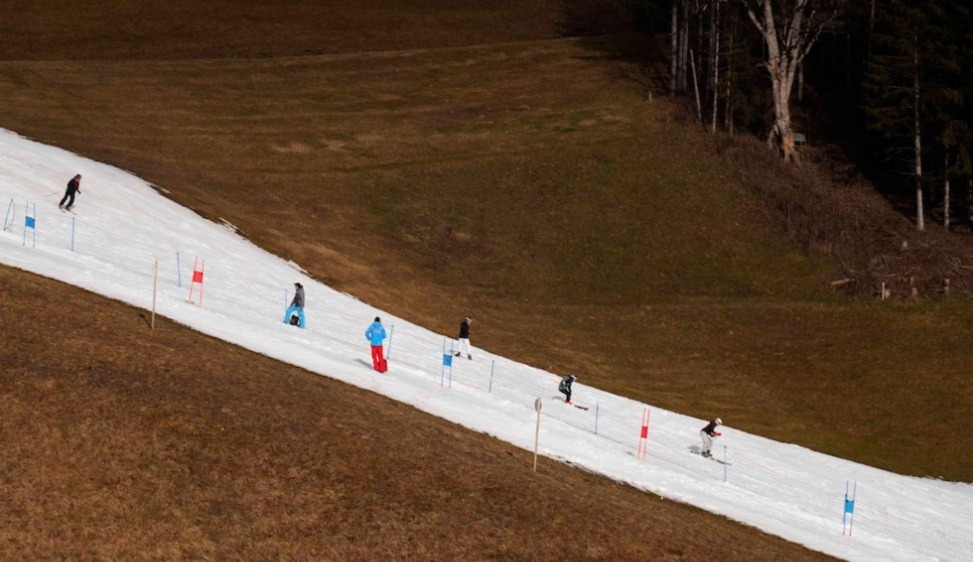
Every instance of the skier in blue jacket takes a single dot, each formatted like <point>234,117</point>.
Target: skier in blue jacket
<point>375,334</point>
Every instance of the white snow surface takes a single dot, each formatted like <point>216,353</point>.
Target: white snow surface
<point>122,225</point>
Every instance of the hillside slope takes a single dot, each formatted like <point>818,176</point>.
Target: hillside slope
<point>121,444</point>
<point>530,186</point>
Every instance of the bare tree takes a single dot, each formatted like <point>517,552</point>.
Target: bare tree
<point>789,29</point>
<point>917,135</point>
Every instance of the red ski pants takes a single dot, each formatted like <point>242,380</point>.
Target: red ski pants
<point>378,358</point>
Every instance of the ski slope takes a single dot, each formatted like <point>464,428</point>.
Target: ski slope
<point>123,227</point>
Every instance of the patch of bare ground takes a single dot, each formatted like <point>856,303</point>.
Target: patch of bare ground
<point>183,29</point>
<point>470,163</point>
<point>117,443</point>
<point>532,186</point>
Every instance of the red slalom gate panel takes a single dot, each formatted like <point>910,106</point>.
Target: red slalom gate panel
<point>198,267</point>
<point>644,435</point>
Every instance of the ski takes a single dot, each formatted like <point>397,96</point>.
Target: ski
<point>712,458</point>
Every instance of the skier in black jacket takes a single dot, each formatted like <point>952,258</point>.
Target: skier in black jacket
<point>708,433</point>
<point>74,186</point>
<point>464,338</point>
<point>565,387</point>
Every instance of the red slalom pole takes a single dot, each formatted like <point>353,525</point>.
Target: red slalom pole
<point>644,435</point>
<point>197,278</point>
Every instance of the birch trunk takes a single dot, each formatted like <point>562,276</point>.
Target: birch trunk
<point>917,93</point>
<point>788,36</point>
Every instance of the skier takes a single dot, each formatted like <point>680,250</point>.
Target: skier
<point>464,338</point>
<point>375,334</point>
<point>708,433</point>
<point>296,308</point>
<point>565,387</point>
<point>74,186</point>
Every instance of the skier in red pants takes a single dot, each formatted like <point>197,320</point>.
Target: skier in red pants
<point>375,334</point>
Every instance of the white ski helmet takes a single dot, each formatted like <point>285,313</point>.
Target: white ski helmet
<point>718,421</point>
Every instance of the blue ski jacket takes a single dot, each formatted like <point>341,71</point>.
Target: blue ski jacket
<point>375,333</point>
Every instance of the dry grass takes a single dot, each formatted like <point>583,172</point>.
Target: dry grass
<point>524,181</point>
<point>530,186</point>
<point>124,445</point>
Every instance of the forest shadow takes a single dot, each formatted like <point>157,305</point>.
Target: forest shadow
<point>621,35</point>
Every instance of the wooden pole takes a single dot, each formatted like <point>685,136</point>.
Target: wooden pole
<point>537,432</point>
<point>155,284</point>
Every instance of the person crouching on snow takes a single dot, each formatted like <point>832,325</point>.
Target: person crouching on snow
<point>297,308</point>
<point>565,387</point>
<point>708,433</point>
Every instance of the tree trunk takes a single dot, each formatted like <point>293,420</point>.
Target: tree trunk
<point>800,27</point>
<point>716,64</point>
<point>684,50</point>
<point>731,46</point>
<point>946,195</point>
<point>917,93</point>
<point>674,48</point>
<point>699,105</point>
<point>969,201</point>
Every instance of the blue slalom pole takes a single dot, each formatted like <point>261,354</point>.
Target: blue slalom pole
<point>72,232</point>
<point>596,417</point>
<point>848,517</point>
<point>493,366</point>
<point>178,271</point>
<point>30,221</point>
<point>442,373</point>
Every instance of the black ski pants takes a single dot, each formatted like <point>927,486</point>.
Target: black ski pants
<point>69,197</point>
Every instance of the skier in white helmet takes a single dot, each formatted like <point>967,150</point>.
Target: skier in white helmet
<point>708,433</point>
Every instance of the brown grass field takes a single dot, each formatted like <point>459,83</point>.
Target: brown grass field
<point>435,161</point>
<point>120,445</point>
